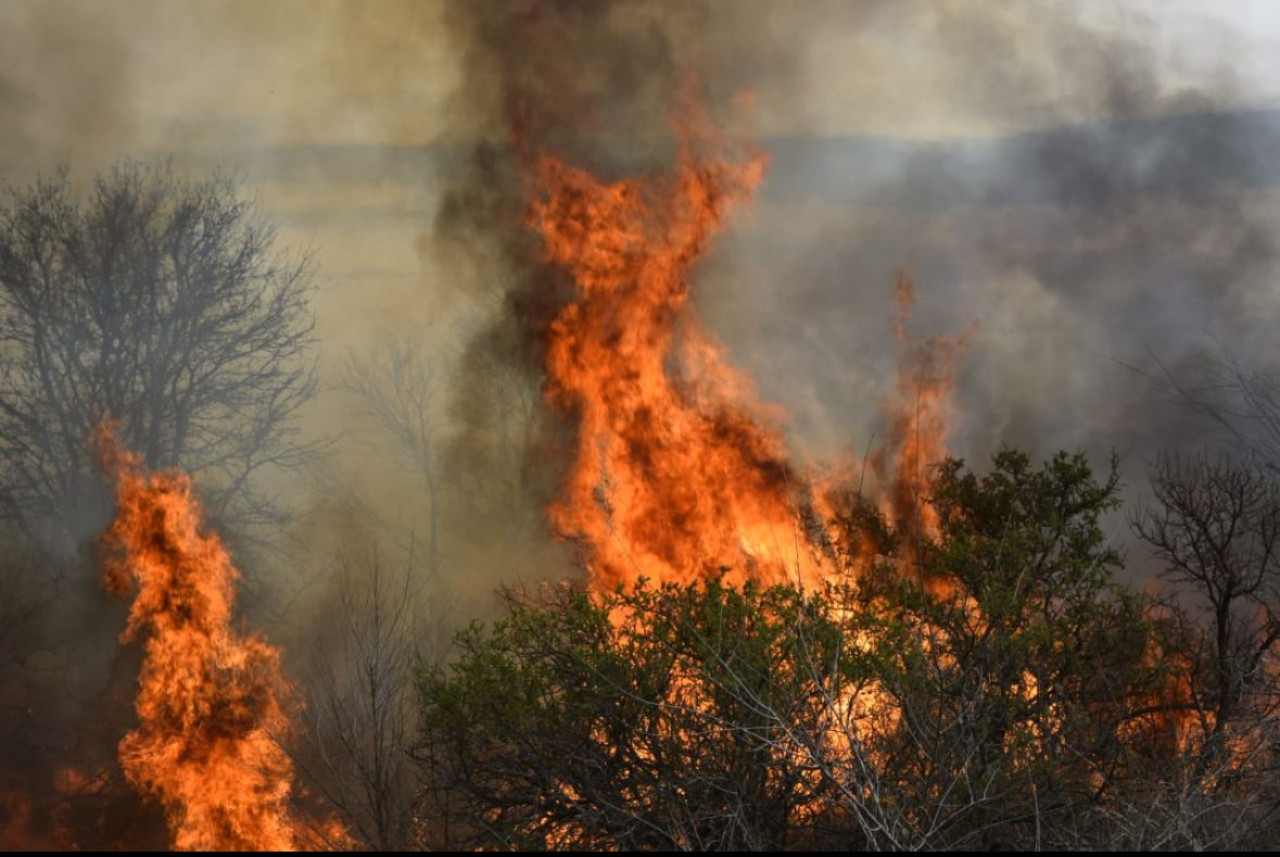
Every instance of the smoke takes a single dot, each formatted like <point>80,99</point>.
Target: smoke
<point>1101,207</point>
<point>1093,192</point>
<point>1090,182</point>
<point>55,112</point>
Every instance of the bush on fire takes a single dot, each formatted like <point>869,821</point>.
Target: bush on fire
<point>989,685</point>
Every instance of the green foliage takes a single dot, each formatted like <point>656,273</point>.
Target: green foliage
<point>656,718</point>
<point>977,700</point>
<point>1025,658</point>
<point>1019,535</point>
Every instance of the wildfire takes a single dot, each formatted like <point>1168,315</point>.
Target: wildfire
<point>679,471</point>
<point>208,699</point>
<point>919,412</point>
<point>677,474</point>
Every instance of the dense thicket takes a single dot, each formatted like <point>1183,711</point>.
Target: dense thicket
<point>1000,690</point>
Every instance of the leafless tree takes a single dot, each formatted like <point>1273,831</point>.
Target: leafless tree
<point>498,455</point>
<point>1242,402</point>
<point>359,712</point>
<point>465,426</point>
<point>158,301</point>
<point>1180,814</point>
<point>1215,526</point>
<point>398,387</point>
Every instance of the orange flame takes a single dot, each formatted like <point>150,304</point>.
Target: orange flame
<point>679,472</point>
<point>208,699</point>
<point>676,474</point>
<point>919,411</point>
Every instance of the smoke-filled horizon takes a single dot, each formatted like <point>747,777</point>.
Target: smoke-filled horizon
<point>1091,183</point>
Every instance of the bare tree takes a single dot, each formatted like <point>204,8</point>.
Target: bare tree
<point>498,454</point>
<point>160,302</point>
<point>359,714</point>
<point>1215,525</point>
<point>1180,814</point>
<point>397,387</point>
<point>1240,401</point>
<point>465,427</point>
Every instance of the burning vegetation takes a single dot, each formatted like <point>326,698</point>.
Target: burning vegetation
<point>679,472</point>
<point>761,656</point>
<point>210,701</point>
<point>904,651</point>
<point>770,659</point>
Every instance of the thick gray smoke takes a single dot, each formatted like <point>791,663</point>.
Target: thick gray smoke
<point>1091,182</point>
<point>1099,210</point>
<point>1136,227</point>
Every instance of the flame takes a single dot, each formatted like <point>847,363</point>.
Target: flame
<point>919,411</point>
<point>19,828</point>
<point>678,473</point>
<point>209,699</point>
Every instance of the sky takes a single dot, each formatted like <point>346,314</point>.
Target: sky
<point>233,74</point>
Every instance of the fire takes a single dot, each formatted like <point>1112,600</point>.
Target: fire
<point>19,830</point>
<point>919,412</point>
<point>680,471</point>
<point>677,473</point>
<point>209,699</point>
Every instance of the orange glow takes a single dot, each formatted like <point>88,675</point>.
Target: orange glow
<point>919,411</point>
<point>17,826</point>
<point>208,701</point>
<point>679,471</point>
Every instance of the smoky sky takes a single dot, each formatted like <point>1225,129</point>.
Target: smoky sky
<point>1128,230</point>
<point>1139,222</point>
<point>1092,184</point>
